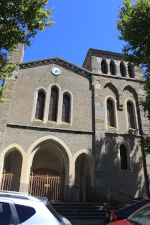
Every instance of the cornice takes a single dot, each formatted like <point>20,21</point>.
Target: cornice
<point>57,60</point>
<point>73,67</point>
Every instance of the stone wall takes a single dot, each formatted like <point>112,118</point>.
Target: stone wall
<point>16,56</point>
<point>30,80</point>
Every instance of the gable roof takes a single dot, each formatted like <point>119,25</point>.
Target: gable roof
<point>56,60</point>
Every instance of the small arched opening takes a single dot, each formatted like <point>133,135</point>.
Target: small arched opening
<point>130,71</point>
<point>122,70</point>
<point>124,157</point>
<point>104,68</point>
<point>112,68</point>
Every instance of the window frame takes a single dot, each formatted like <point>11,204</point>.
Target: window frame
<point>114,112</point>
<point>67,94</point>
<point>128,153</point>
<point>131,69</point>
<point>43,108</point>
<point>35,104</point>
<point>105,62</point>
<point>114,65</point>
<point>124,68</point>
<point>71,107</point>
<point>57,107</point>
<point>134,114</point>
<point>47,104</point>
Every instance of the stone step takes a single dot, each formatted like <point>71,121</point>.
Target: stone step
<point>81,210</point>
<point>76,217</point>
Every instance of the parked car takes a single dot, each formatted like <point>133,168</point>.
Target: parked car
<point>140,217</point>
<point>122,211</point>
<point>19,208</point>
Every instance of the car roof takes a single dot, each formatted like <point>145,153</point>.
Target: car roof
<point>23,196</point>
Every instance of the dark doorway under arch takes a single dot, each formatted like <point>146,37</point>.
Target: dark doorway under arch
<point>83,178</point>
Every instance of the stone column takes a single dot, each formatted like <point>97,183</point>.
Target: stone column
<point>71,180</point>
<point>1,166</point>
<point>25,174</point>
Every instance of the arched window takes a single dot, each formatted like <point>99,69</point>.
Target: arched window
<point>122,70</point>
<point>130,71</point>
<point>104,67</point>
<point>53,105</point>
<point>40,106</point>
<point>112,68</point>
<point>66,109</point>
<point>123,157</point>
<point>131,118</point>
<point>110,113</point>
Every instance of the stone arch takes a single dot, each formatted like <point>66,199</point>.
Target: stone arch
<point>54,85</point>
<point>46,138</point>
<point>86,152</point>
<point>112,86</point>
<point>115,90</point>
<point>10,148</point>
<point>6,151</point>
<point>35,146</point>
<point>11,161</point>
<point>84,168</point>
<point>131,89</point>
<point>62,158</point>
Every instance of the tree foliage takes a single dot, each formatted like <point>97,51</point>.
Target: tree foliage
<point>19,21</point>
<point>134,26</point>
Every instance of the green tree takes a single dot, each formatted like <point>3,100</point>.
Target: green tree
<point>20,21</point>
<point>134,26</point>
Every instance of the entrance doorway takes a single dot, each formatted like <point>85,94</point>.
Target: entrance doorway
<point>12,171</point>
<point>83,178</point>
<point>47,178</point>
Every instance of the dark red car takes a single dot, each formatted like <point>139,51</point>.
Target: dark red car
<point>140,217</point>
<point>122,211</point>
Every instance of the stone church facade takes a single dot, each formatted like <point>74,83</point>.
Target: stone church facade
<point>81,126</point>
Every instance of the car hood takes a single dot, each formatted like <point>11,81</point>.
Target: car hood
<point>121,222</point>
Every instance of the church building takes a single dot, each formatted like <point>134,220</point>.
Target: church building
<point>73,133</point>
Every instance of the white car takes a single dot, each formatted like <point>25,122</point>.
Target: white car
<point>19,208</point>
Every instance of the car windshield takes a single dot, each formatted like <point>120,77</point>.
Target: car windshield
<point>52,210</point>
<point>141,217</point>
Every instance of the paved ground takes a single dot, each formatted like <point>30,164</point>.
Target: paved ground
<point>87,222</point>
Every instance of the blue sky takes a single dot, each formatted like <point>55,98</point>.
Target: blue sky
<point>79,25</point>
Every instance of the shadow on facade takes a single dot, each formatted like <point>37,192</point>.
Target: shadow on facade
<point>109,174</point>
